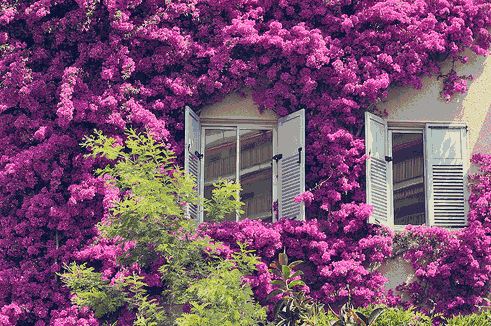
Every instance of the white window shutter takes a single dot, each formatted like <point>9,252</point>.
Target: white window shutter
<point>291,165</point>
<point>192,155</point>
<point>378,170</point>
<point>446,161</point>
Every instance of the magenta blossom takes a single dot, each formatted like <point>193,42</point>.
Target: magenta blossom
<point>305,197</point>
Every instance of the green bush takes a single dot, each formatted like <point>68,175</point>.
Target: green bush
<point>151,213</point>
<point>222,298</point>
<point>92,291</point>
<point>401,317</point>
<point>478,319</point>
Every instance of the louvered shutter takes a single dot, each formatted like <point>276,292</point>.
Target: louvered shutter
<point>192,164</point>
<point>291,166</point>
<point>446,160</point>
<point>378,170</point>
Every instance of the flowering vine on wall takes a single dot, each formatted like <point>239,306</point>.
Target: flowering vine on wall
<point>69,66</point>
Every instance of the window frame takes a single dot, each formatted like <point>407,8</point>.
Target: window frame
<point>249,124</point>
<point>400,126</point>
<point>392,129</point>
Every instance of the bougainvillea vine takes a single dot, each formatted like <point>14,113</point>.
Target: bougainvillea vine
<point>69,66</point>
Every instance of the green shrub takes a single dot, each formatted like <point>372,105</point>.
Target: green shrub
<point>222,298</point>
<point>398,317</point>
<point>91,291</point>
<point>478,319</point>
<point>294,307</point>
<point>151,213</point>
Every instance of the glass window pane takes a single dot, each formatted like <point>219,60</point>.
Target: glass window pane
<point>220,159</point>
<point>408,179</point>
<point>256,173</point>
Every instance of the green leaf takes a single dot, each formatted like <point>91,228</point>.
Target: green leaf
<point>297,273</point>
<point>296,283</point>
<point>295,264</point>
<point>285,270</point>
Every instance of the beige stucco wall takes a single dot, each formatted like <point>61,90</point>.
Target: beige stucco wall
<point>397,271</point>
<point>236,107</point>
<point>473,108</point>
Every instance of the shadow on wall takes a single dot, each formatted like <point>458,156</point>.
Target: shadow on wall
<point>484,137</point>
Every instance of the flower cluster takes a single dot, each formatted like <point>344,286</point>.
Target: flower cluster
<point>305,197</point>
<point>74,316</point>
<point>453,268</point>
<point>69,66</point>
<point>335,263</point>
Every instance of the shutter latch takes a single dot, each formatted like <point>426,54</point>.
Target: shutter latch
<point>277,157</point>
<point>388,158</point>
<point>198,155</point>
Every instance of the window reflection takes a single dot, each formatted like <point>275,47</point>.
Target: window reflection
<point>220,159</point>
<point>408,178</point>
<point>256,172</point>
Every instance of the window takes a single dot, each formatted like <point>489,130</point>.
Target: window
<point>416,172</point>
<point>266,158</point>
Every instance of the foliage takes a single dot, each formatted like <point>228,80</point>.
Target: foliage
<point>398,316</point>
<point>482,318</point>
<point>186,261</point>
<point>69,66</point>
<point>91,291</point>
<point>148,218</point>
<point>225,200</point>
<point>151,209</point>
<point>153,189</point>
<point>148,311</point>
<point>349,316</point>
<point>222,298</point>
<point>293,307</point>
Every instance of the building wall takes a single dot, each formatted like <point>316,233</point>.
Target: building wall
<point>473,107</point>
<point>236,106</point>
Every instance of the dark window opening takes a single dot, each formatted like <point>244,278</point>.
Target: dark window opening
<point>408,179</point>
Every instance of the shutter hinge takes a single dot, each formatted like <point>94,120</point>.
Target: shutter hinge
<point>388,159</point>
<point>198,155</point>
<point>277,157</point>
<point>299,155</point>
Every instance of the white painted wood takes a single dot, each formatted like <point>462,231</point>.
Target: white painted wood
<point>447,169</point>
<point>378,170</point>
<point>291,167</point>
<point>275,174</point>
<point>192,163</point>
